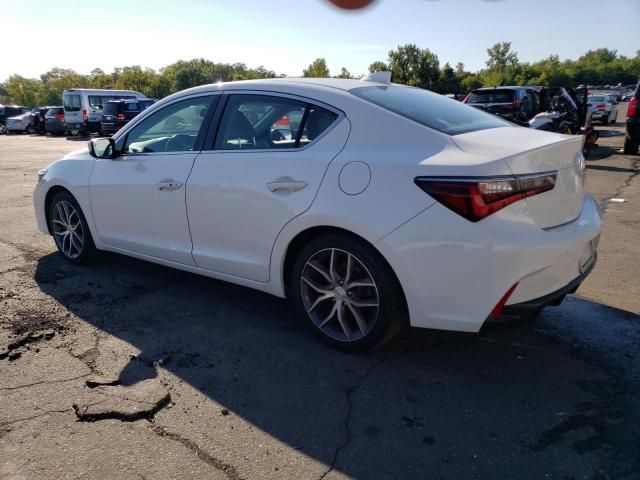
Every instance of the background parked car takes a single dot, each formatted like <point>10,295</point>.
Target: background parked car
<point>513,103</point>
<point>54,121</point>
<point>632,133</point>
<point>20,124</point>
<point>38,118</point>
<point>83,107</point>
<point>605,108</point>
<point>117,113</point>
<point>7,111</point>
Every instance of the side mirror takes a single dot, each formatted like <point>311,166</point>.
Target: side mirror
<point>102,148</point>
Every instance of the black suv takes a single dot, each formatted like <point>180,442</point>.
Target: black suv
<point>512,103</point>
<point>632,134</point>
<point>8,111</point>
<point>117,113</point>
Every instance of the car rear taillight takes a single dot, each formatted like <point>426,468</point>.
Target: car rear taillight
<point>120,116</point>
<point>601,106</point>
<point>475,198</point>
<point>84,115</point>
<point>632,108</point>
<point>60,116</point>
<point>517,104</point>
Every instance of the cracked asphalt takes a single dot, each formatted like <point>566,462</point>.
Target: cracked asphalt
<point>125,369</point>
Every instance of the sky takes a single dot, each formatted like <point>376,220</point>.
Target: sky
<point>286,35</point>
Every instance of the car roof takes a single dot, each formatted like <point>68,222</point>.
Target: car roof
<point>505,87</point>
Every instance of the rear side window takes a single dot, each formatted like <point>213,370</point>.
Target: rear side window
<point>430,109</point>
<point>72,103</point>
<point>492,96</point>
<point>252,122</point>
<point>132,107</point>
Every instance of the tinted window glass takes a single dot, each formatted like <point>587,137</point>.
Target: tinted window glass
<point>72,103</point>
<point>53,111</point>
<point>98,101</point>
<point>270,122</point>
<point>173,128</point>
<point>430,109</point>
<point>111,108</point>
<point>491,96</point>
<point>131,106</point>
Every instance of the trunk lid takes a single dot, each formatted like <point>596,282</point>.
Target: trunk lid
<point>528,151</point>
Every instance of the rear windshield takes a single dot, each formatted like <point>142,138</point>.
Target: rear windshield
<point>53,111</point>
<point>430,109</point>
<point>598,98</point>
<point>72,103</point>
<point>98,101</point>
<point>111,107</point>
<point>491,96</point>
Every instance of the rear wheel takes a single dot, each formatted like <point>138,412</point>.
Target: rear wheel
<point>3,128</point>
<point>30,130</point>
<point>347,292</point>
<point>70,230</point>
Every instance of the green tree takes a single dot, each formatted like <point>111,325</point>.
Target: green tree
<point>23,91</point>
<point>448,81</point>
<point>58,79</point>
<point>317,69</point>
<point>344,73</point>
<point>414,66</point>
<point>502,65</point>
<point>378,66</point>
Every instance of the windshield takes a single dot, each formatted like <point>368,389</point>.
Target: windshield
<point>598,98</point>
<point>491,96</point>
<point>72,103</point>
<point>430,109</point>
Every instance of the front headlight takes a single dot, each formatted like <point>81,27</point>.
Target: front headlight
<point>41,174</point>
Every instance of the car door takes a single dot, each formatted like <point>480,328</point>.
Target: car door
<point>138,198</point>
<point>267,162</point>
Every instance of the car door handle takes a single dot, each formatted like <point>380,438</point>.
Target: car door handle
<point>286,184</point>
<point>170,185</point>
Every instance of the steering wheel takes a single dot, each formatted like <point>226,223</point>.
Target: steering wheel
<point>179,143</point>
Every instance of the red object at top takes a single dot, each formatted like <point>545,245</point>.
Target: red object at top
<point>284,121</point>
<point>351,4</point>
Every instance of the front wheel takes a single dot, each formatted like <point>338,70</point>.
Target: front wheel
<point>3,129</point>
<point>69,229</point>
<point>347,292</point>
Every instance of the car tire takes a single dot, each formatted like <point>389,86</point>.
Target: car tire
<point>353,311</point>
<point>630,147</point>
<point>70,230</point>
<point>30,130</point>
<point>3,129</point>
<point>605,120</point>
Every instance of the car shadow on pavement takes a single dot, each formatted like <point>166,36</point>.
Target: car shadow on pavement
<point>519,401</point>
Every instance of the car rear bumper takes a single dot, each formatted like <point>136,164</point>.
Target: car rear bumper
<point>454,272</point>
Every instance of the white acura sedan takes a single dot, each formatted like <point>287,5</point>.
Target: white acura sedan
<point>372,205</point>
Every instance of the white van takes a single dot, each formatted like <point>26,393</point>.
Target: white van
<point>83,107</point>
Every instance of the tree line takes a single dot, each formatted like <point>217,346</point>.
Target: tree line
<point>409,64</point>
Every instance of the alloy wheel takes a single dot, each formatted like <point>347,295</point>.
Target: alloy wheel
<point>339,294</point>
<point>3,128</point>
<point>67,229</point>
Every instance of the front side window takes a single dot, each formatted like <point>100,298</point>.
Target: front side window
<point>270,122</point>
<point>72,103</point>
<point>173,128</point>
<point>430,109</point>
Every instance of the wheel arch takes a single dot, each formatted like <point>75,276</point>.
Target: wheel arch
<point>297,243</point>
<point>51,193</point>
